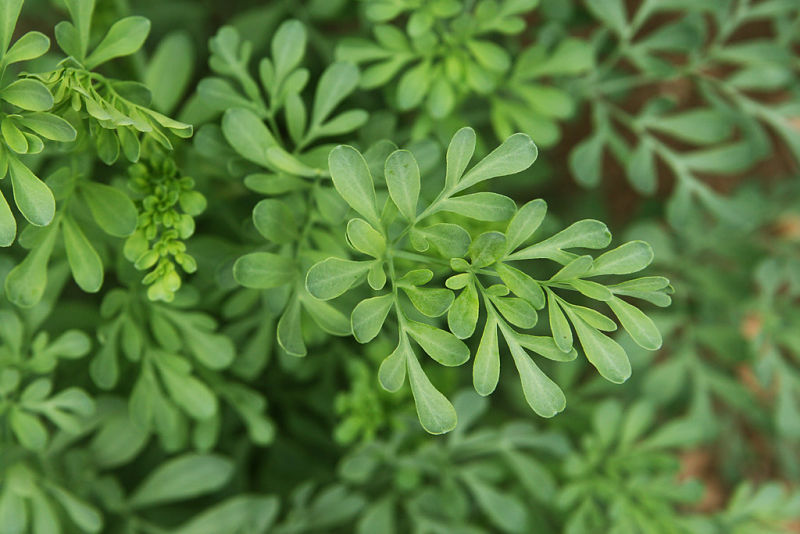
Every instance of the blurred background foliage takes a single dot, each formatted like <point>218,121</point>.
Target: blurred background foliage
<point>675,121</point>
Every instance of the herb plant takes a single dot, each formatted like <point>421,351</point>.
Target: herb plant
<point>244,244</point>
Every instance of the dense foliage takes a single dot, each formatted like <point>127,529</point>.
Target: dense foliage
<point>345,266</point>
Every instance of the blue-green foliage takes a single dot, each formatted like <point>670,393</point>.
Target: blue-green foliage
<point>365,280</point>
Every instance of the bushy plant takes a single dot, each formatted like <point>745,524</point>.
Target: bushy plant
<point>247,244</point>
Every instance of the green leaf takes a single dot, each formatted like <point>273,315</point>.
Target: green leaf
<point>290,331</point>
<point>376,277</point>
<point>502,508</point>
<point>432,302</point>
<point>459,154</point>
<point>170,70</point>
<point>81,13</point>
<point>327,317</point>
<point>84,262</point>
<point>537,480</point>
<point>603,352</point>
<point>9,13</point>
<point>331,206</point>
<point>364,238</point>
<point>247,135</point>
<point>337,81</point>
<point>484,206</point>
<point>435,412</point>
<point>593,318</point>
<point>486,368</point>
<point>263,270</point>
<point>274,184</point>
<point>637,420</point>
<point>28,94</point>
<point>571,56</point>
<point>542,394</point>
<point>593,290</point>
<point>725,159</point>
<point>679,432</point>
<point>392,372</point>
<point>346,121</point>
<point>13,136</point>
<point>586,160</point>
<point>760,78</point>
<point>189,393</point>
<point>440,345</point>
<point>525,222</point>
<point>381,73</point>
<point>118,439</point>
<point>288,47</point>
<point>184,477</point>
<point>106,141</point>
<point>296,117</point>
<point>545,346</point>
<point>654,289</point>
<point>334,276</point>
<point>241,513</point>
<point>13,512</point>
<point>35,143</point>
<point>612,12</point>
<point>219,95</point>
<point>441,99</point>
<point>487,249</point>
<point>416,277</point>
<point>402,178</point>
<point>125,37</point>
<point>451,240</point>
<point>26,283</point>
<point>547,101</point>
<point>368,317</point>
<point>68,39</point>
<point>641,169</point>
<point>8,224</point>
<point>699,126</point>
<point>516,311</point>
<point>458,281</point>
<point>29,46</point>
<point>641,328</point>
<point>36,391</point>
<point>521,284</point>
<point>353,181</point>
<point>283,161</point>
<point>587,233</point>
<point>111,209</point>
<point>213,350</point>
<point>294,83</point>
<point>49,126</point>
<point>71,344</point>
<point>379,516</point>
<point>516,154</point>
<point>628,258</point>
<point>30,432</point>
<point>490,55</point>
<point>275,221</point>
<point>43,515</point>
<point>413,86</point>
<point>574,269</point>
<point>787,415</point>
<point>562,333</point>
<point>462,316</point>
<point>84,515</point>
<point>681,36</point>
